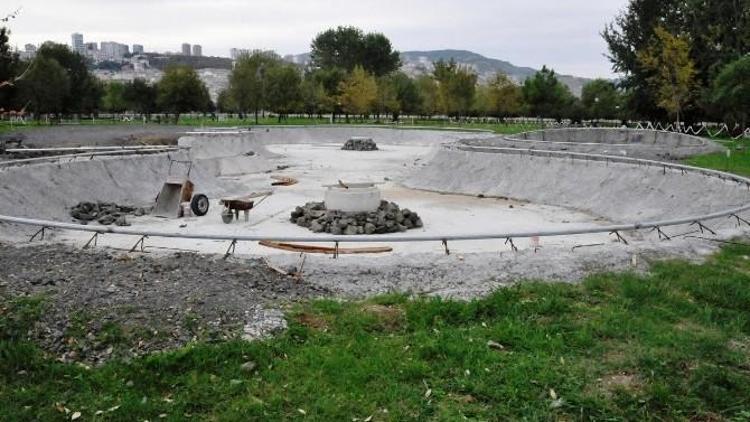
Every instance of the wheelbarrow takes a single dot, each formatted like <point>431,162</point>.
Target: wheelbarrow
<point>233,206</point>
<point>178,190</point>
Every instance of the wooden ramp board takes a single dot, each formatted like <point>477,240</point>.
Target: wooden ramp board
<point>291,247</point>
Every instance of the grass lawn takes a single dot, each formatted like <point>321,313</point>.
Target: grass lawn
<point>671,345</point>
<point>737,162</point>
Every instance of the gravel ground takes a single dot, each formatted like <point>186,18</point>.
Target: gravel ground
<point>105,304</point>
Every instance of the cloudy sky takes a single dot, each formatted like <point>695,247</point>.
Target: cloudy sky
<point>561,33</point>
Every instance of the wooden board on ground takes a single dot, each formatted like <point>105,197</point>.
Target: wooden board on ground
<point>328,250</point>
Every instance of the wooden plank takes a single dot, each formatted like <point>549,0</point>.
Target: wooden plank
<point>327,250</point>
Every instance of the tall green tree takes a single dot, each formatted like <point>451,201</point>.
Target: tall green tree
<point>9,70</point>
<point>140,96</point>
<point>283,89</point>
<point>672,71</point>
<point>45,87</point>
<point>113,100</point>
<point>315,99</point>
<point>407,94</point>
<point>718,29</point>
<point>181,91</point>
<point>347,47</point>
<point>429,104</point>
<point>358,92</point>
<point>456,87</point>
<point>731,91</point>
<point>85,91</point>
<point>601,100</point>
<point>545,95</point>
<point>503,96</point>
<point>248,82</point>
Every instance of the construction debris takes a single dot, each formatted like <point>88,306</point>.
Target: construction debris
<point>388,218</point>
<point>283,181</point>
<point>360,144</point>
<point>327,250</point>
<point>105,213</point>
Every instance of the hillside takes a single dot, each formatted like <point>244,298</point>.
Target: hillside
<point>420,62</point>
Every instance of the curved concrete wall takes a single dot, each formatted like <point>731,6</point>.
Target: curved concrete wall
<point>619,192</point>
<point>648,144</point>
<point>49,190</point>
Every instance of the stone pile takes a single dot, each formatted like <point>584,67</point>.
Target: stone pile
<point>105,213</point>
<point>388,218</point>
<point>360,144</point>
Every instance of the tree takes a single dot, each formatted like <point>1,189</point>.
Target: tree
<point>545,95</point>
<point>358,92</point>
<point>456,87</point>
<point>181,91</point>
<point>225,102</point>
<point>347,47</point>
<point>673,72</point>
<point>718,29</point>
<point>314,97</point>
<point>387,100</point>
<point>601,100</point>
<point>140,96</point>
<point>283,88</point>
<point>45,87</point>
<point>85,92</point>
<point>114,98</point>
<point>248,82</point>
<point>428,94</point>
<point>503,96</point>
<point>407,94</point>
<point>731,91</point>
<point>9,69</point>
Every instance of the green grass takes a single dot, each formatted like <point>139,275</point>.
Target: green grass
<point>737,162</point>
<point>671,345</point>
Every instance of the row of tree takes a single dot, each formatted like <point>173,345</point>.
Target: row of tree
<point>683,59</point>
<point>668,74</point>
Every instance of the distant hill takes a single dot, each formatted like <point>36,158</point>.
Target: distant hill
<point>416,63</point>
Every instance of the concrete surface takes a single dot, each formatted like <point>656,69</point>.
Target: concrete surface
<point>454,192</point>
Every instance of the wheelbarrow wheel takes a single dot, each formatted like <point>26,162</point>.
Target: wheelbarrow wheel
<point>199,205</point>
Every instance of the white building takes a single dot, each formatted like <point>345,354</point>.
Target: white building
<point>185,49</point>
<point>77,43</point>
<point>137,49</point>
<point>197,50</point>
<point>113,51</point>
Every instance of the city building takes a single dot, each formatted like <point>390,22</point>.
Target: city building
<point>28,53</point>
<point>77,43</point>
<point>137,49</point>
<point>113,51</point>
<point>185,49</point>
<point>197,50</point>
<point>235,53</point>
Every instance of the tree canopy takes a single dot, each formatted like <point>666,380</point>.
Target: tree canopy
<point>181,91</point>
<point>358,92</point>
<point>601,99</point>
<point>347,47</point>
<point>456,87</point>
<point>731,91</point>
<point>545,95</point>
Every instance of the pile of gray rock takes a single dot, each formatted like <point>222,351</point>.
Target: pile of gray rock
<point>360,144</point>
<point>105,213</point>
<point>388,218</point>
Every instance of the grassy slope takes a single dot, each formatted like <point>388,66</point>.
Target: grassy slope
<point>672,345</point>
<point>675,344</point>
<point>737,162</point>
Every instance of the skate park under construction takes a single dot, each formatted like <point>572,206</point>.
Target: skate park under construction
<point>378,209</point>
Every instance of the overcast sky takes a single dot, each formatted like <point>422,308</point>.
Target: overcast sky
<point>561,33</point>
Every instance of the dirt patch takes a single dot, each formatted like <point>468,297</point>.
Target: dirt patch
<point>103,304</point>
<point>620,382</point>
<point>390,318</point>
<point>315,322</point>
